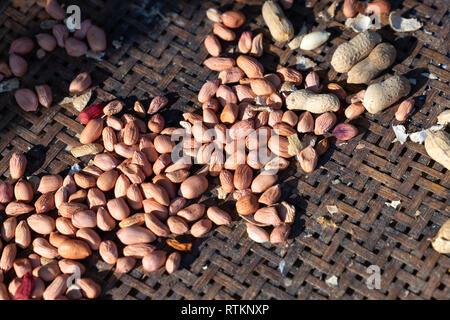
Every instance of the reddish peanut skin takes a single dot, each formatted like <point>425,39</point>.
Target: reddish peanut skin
<point>345,131</point>
<point>154,261</point>
<point>96,38</point>
<point>21,46</point>
<point>26,99</point>
<point>173,262</point>
<point>75,47</point>
<point>379,6</point>
<point>89,288</point>
<point>201,227</point>
<point>84,27</point>
<point>54,9</point>
<point>280,233</point>
<point>18,65</point>
<point>223,32</point>
<point>108,251</point>
<point>26,287</point>
<point>350,8</point>
<point>354,110</point>
<point>80,83</point>
<point>125,264</point>
<point>218,216</point>
<point>404,110</point>
<point>245,42</point>
<point>233,19</point>
<point>212,45</point>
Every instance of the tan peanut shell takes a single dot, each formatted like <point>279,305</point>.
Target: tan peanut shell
<point>437,144</point>
<point>444,117</point>
<point>383,94</point>
<point>379,59</point>
<point>350,53</point>
<point>312,102</point>
<point>280,27</point>
<point>441,242</point>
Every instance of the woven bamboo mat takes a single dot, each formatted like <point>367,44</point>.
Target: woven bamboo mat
<point>158,50</point>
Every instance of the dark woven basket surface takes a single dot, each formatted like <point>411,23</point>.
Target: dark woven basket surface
<point>158,50</point>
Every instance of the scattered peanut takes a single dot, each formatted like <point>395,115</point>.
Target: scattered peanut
<point>381,95</point>
<point>280,27</point>
<point>138,189</point>
<point>350,53</point>
<point>379,59</point>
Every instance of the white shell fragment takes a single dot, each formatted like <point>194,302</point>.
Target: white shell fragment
<point>281,266</point>
<point>314,40</point>
<point>221,194</point>
<point>75,168</point>
<point>429,75</point>
<point>117,44</point>
<point>400,24</point>
<point>97,56</point>
<point>304,63</point>
<point>393,204</point>
<point>361,23</point>
<point>420,136</point>
<point>259,100</point>
<point>417,137</point>
<point>400,133</point>
<point>332,281</point>
<point>287,88</point>
<point>332,209</point>
<point>78,102</point>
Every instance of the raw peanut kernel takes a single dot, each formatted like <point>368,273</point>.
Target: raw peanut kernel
<point>212,45</point>
<point>92,112</point>
<point>113,107</point>
<point>223,32</point>
<point>251,67</point>
<point>44,94</point>
<point>96,38</point>
<point>404,109</point>
<point>157,104</point>
<point>354,110</point>
<point>17,165</point>
<point>345,131</point>
<point>245,42</point>
<point>232,19</point>
<point>257,45</point>
<point>81,83</point>
<point>219,63</point>
<point>26,99</point>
